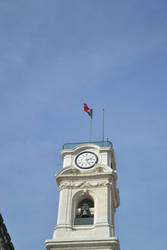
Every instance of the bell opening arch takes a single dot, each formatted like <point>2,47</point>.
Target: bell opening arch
<point>83,212</point>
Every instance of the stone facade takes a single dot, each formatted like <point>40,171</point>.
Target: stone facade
<point>97,184</point>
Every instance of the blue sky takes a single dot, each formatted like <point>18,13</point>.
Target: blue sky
<point>55,55</point>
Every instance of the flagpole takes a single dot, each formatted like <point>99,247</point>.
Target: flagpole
<point>103,125</point>
<point>90,139</point>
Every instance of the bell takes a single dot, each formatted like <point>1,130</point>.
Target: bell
<point>85,213</point>
<point>85,210</point>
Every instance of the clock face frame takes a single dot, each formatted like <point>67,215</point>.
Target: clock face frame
<point>86,160</point>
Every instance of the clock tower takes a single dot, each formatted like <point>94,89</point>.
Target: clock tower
<point>88,198</point>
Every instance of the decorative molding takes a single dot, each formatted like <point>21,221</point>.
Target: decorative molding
<point>112,243</point>
<point>98,169</point>
<point>84,184</point>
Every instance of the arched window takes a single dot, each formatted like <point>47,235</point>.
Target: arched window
<point>84,212</point>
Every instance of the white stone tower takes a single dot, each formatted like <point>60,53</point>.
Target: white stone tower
<point>88,198</point>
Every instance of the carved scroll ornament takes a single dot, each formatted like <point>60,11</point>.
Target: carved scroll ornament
<point>85,184</point>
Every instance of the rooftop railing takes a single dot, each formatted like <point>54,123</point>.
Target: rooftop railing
<point>98,143</point>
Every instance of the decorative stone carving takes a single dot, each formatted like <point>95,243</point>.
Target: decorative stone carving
<point>85,184</point>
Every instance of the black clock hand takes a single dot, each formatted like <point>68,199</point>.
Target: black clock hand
<point>88,162</point>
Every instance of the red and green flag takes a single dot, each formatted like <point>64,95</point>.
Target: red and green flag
<point>88,110</point>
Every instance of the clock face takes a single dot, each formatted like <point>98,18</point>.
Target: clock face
<point>86,160</point>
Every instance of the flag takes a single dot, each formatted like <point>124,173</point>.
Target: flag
<point>88,110</point>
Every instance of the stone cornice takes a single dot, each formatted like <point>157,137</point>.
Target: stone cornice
<point>112,242</point>
<point>75,173</point>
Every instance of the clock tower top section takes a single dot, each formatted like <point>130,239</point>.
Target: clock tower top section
<point>88,155</point>
<point>88,198</point>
